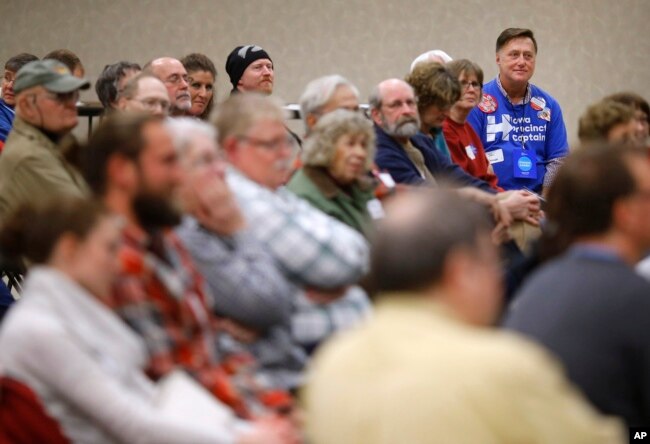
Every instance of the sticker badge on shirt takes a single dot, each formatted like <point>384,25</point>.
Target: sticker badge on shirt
<point>524,163</point>
<point>375,209</point>
<point>537,103</point>
<point>471,152</point>
<point>488,104</point>
<point>495,156</point>
<point>545,114</point>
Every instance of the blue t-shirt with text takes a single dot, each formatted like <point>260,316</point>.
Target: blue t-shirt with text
<point>505,129</point>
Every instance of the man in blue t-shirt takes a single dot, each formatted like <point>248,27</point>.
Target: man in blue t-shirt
<point>8,99</point>
<point>520,125</point>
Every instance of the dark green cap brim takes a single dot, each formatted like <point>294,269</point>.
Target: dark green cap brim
<point>50,74</point>
<point>66,84</point>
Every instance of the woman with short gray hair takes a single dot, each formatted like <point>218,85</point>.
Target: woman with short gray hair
<point>337,156</point>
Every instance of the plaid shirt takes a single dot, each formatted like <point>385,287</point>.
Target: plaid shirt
<point>314,250</point>
<point>161,296</point>
<point>252,291</point>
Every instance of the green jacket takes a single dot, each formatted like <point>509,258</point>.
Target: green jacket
<point>318,188</point>
<point>33,169</point>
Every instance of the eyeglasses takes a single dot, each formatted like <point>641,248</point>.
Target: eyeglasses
<point>152,104</point>
<point>274,145</point>
<point>397,104</point>
<point>9,77</point>
<point>207,159</point>
<point>63,98</point>
<point>465,84</point>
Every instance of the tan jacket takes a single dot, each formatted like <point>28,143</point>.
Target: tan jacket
<point>415,374</point>
<point>33,169</point>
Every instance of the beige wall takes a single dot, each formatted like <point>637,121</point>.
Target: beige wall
<point>588,48</point>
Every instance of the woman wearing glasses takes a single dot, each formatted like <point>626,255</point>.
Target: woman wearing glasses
<point>464,144</point>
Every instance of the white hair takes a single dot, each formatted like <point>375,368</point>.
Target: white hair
<point>320,147</point>
<point>319,91</point>
<point>185,129</point>
<point>435,55</point>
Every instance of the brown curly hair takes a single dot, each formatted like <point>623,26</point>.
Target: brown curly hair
<point>434,85</point>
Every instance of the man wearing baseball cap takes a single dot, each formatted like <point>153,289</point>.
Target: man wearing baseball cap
<point>32,167</point>
<point>250,69</point>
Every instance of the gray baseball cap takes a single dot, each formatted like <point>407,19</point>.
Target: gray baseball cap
<point>51,74</point>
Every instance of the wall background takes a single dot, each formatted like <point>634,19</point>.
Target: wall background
<point>587,48</point>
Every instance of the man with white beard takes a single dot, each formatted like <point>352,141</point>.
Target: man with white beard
<point>410,156</point>
<point>172,73</point>
<point>401,149</point>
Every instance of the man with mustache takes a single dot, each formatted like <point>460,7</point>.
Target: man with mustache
<point>520,125</point>
<point>315,252</point>
<point>411,157</point>
<point>172,73</point>
<point>250,69</point>
<point>132,166</point>
<point>8,98</point>
<point>408,155</point>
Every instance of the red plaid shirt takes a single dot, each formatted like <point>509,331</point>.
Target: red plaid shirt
<point>162,296</point>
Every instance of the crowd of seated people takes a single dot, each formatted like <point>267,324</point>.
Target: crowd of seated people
<point>197,272</point>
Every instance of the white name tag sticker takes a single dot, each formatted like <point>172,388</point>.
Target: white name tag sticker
<point>375,209</point>
<point>495,156</point>
<point>387,179</point>
<point>469,150</point>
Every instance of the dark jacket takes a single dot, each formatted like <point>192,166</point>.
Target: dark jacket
<point>318,188</point>
<point>392,158</point>
<point>590,309</point>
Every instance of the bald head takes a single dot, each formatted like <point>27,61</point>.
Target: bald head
<point>172,73</point>
<point>387,86</point>
<point>435,55</point>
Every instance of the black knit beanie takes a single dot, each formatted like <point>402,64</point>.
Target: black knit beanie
<point>239,59</point>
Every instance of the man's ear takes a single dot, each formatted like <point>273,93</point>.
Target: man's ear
<point>121,103</point>
<point>375,115</point>
<point>623,214</point>
<point>64,249</point>
<point>121,172</point>
<point>26,106</point>
<point>230,148</point>
<point>456,269</point>
<point>311,120</point>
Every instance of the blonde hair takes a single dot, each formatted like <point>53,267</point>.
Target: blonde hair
<point>237,115</point>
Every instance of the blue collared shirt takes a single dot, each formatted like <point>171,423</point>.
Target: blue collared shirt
<point>7,115</point>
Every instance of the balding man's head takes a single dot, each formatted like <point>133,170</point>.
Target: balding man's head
<point>172,73</point>
<point>393,108</point>
<point>435,55</point>
<point>326,94</point>
<point>423,245</point>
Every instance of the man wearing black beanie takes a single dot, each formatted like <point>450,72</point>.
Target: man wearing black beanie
<point>250,69</point>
